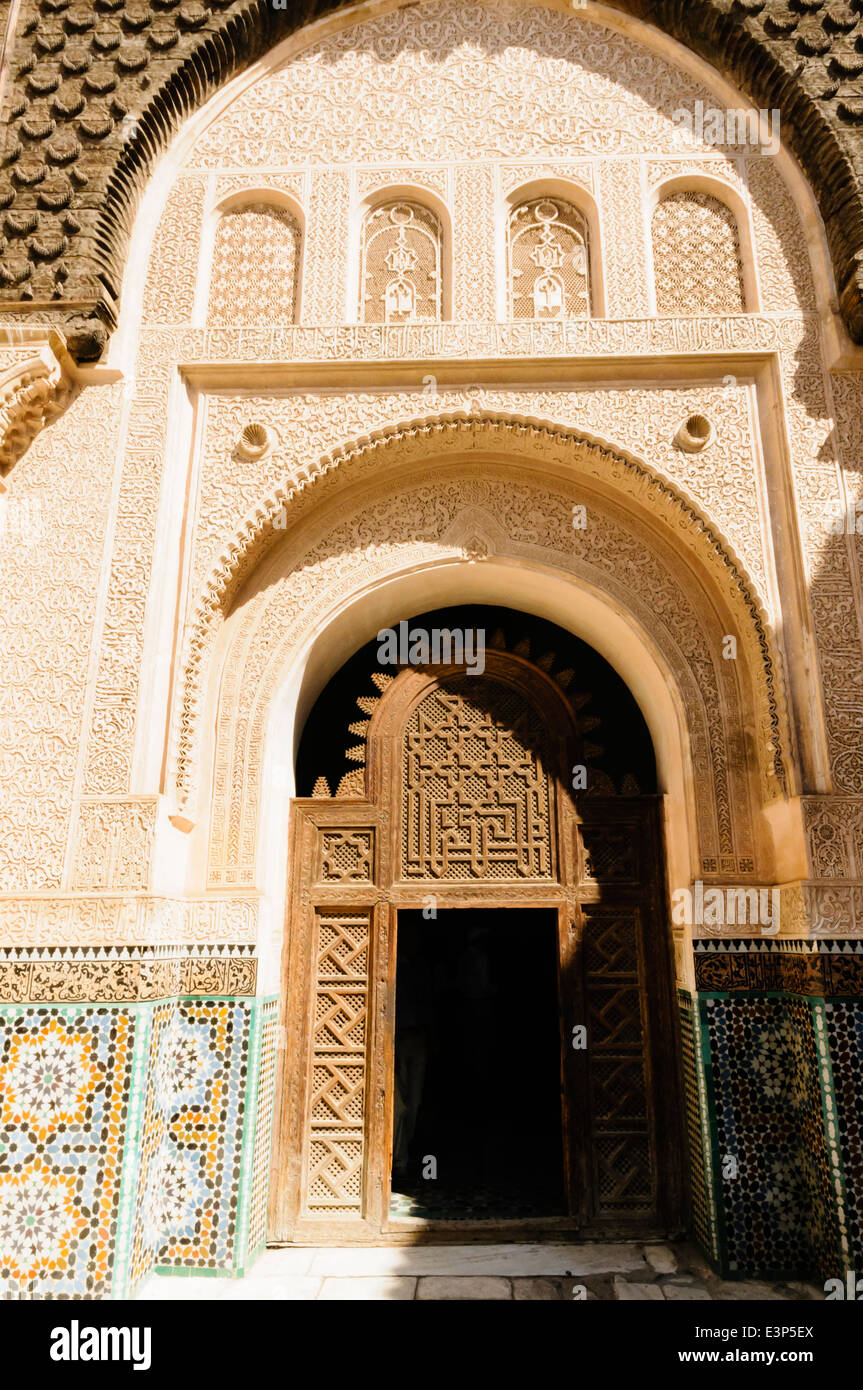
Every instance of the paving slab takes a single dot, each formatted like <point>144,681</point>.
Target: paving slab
<point>383,1290</point>
<point>637,1293</point>
<point>685,1293</point>
<point>536,1290</point>
<point>661,1259</point>
<point>507,1260</point>
<point>289,1290</point>
<point>748,1289</point>
<point>464,1287</point>
<point>174,1288</point>
<point>275,1264</point>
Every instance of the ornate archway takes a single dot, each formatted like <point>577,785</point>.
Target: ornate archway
<point>465,802</point>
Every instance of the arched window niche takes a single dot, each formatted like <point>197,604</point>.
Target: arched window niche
<point>548,258</point>
<point>256,269</point>
<point>702,250</point>
<point>402,275</point>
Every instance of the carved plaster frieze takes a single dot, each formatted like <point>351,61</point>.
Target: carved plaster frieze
<point>723,483</point>
<point>35,976</point>
<point>122,921</point>
<point>793,965</point>
<point>114,844</point>
<point>612,338</point>
<point>834,833</point>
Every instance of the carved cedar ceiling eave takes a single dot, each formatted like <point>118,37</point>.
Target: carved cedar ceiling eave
<point>98,89</point>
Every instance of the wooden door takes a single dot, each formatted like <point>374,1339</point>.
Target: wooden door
<point>621,988</point>
<point>465,798</point>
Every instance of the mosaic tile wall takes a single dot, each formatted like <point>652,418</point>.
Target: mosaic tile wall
<point>844,1025</point>
<point>66,1075</point>
<point>702,1200</point>
<point>781,1059</point>
<point>779,1217</point>
<point>128,1142</point>
<point>190,1199</point>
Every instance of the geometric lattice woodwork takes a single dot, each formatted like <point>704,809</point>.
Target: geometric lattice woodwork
<point>621,1140</point>
<point>548,270</point>
<point>610,855</point>
<point>346,856</point>
<point>475,798</point>
<point>696,256</point>
<point>335,1130</point>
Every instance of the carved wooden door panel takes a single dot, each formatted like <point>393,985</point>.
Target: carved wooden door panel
<point>476,787</point>
<point>334,944</point>
<point>622,988</point>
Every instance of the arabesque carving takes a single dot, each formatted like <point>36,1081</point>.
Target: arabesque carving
<point>535,441</point>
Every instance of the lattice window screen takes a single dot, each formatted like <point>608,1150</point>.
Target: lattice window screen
<point>548,261</point>
<point>696,256</point>
<point>255,266</point>
<point>476,798</point>
<point>401,265</point>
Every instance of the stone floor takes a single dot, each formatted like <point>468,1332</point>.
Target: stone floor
<point>591,1270</point>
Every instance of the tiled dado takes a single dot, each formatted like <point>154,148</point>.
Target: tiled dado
<point>131,1137</point>
<point>97,975</point>
<point>778,1032</point>
<point>702,1179</point>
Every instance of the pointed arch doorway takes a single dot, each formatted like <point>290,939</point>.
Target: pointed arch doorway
<point>478,820</point>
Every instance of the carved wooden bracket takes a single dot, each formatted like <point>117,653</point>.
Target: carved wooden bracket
<point>33,392</point>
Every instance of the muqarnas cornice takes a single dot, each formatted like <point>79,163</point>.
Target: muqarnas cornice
<point>99,88</point>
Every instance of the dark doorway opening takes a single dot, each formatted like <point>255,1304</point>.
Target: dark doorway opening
<point>477,1132</point>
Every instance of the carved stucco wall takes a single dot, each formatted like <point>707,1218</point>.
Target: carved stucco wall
<point>56,519</point>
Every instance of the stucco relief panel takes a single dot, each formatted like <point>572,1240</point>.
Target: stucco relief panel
<point>722,480</point>
<point>111,735</point>
<point>51,551</point>
<point>113,919</point>
<point>457,81</point>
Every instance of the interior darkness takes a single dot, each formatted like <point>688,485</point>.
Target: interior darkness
<point>478,1066</point>
<point>622,732</point>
